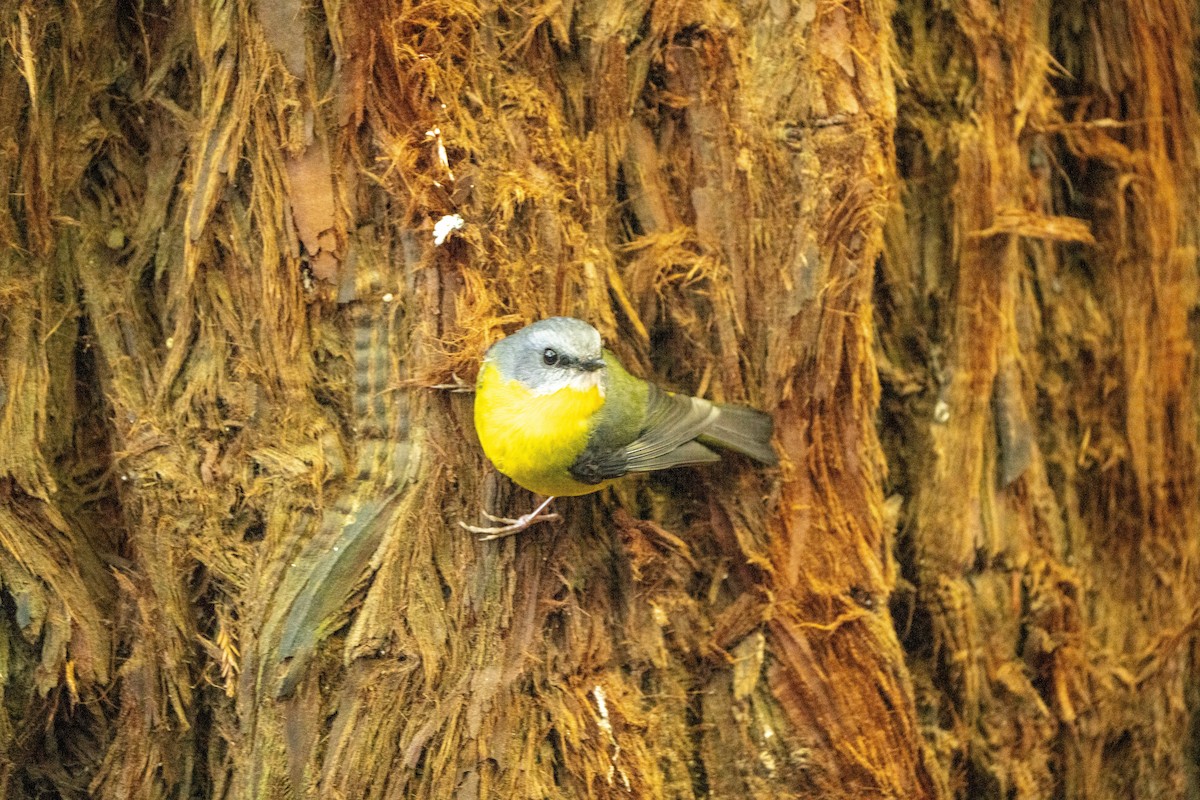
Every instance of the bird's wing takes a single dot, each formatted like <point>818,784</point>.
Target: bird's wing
<point>645,436</point>
<point>672,422</point>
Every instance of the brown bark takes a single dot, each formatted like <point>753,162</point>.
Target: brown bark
<point>948,246</point>
<point>1042,378</point>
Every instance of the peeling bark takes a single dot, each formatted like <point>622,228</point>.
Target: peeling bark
<point>948,246</point>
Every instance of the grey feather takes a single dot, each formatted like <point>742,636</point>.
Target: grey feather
<point>520,356</point>
<point>744,430</point>
<point>672,421</point>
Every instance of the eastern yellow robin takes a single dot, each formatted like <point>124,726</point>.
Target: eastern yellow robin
<point>558,414</point>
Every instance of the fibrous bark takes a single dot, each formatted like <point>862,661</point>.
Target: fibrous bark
<point>1040,382</point>
<point>947,246</point>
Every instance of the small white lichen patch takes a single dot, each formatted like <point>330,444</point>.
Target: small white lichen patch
<point>444,227</point>
<point>602,707</point>
<point>941,412</point>
<point>764,755</point>
<point>443,158</point>
<point>606,725</point>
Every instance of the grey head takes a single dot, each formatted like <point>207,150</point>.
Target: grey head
<point>551,354</point>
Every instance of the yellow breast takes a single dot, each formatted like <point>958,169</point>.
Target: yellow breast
<point>534,438</point>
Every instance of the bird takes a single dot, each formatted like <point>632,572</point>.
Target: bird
<point>558,414</point>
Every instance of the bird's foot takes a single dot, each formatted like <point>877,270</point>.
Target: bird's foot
<point>510,526</point>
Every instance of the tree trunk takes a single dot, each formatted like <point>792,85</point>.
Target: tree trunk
<point>1041,392</point>
<point>947,246</point>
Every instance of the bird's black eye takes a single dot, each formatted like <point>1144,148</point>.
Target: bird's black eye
<point>550,356</point>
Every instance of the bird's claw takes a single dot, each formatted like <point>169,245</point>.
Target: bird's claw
<point>511,526</point>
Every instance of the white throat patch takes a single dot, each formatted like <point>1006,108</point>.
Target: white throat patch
<point>572,379</point>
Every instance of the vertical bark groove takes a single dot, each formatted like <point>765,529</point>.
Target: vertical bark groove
<point>947,245</point>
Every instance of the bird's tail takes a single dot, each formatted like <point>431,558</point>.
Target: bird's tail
<point>744,430</point>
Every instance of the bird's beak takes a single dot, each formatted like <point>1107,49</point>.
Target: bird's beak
<point>592,366</point>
